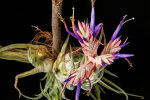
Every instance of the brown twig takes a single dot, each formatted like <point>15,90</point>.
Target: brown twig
<point>56,26</point>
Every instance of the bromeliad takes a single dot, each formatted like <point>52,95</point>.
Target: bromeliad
<point>87,36</point>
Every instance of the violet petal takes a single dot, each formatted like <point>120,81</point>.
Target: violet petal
<point>103,64</point>
<point>69,31</point>
<point>123,45</point>
<point>87,21</point>
<point>79,38</point>
<point>97,29</point>
<point>117,29</point>
<point>67,80</point>
<point>92,23</point>
<point>117,56</point>
<point>78,90</point>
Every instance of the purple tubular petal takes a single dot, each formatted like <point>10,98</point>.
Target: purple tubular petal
<point>103,64</point>
<point>77,36</point>
<point>123,45</point>
<point>97,29</point>
<point>74,35</point>
<point>84,38</point>
<point>87,21</point>
<point>67,80</point>
<point>117,56</point>
<point>76,28</point>
<point>78,90</point>
<point>120,37</point>
<point>71,85</point>
<point>117,29</point>
<point>92,23</point>
<point>69,31</point>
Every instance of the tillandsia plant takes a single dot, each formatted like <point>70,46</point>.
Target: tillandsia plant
<point>69,67</point>
<point>88,72</point>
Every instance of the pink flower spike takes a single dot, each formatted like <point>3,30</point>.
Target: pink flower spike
<point>77,78</point>
<point>114,50</point>
<point>117,44</point>
<point>83,74</point>
<point>83,24</point>
<point>81,28</point>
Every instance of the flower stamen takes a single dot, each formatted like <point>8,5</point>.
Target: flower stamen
<point>128,20</point>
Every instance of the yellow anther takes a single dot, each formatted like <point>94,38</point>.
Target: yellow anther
<point>71,18</point>
<point>93,1</point>
<point>72,13</point>
<point>100,43</point>
<point>125,15</point>
<point>60,17</point>
<point>128,20</point>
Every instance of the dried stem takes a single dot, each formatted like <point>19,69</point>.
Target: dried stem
<point>56,25</point>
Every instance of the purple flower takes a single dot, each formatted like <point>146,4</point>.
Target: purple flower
<point>78,90</point>
<point>87,36</point>
<point>118,29</point>
<point>117,56</point>
<point>92,23</point>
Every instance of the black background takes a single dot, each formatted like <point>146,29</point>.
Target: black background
<point>18,16</point>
